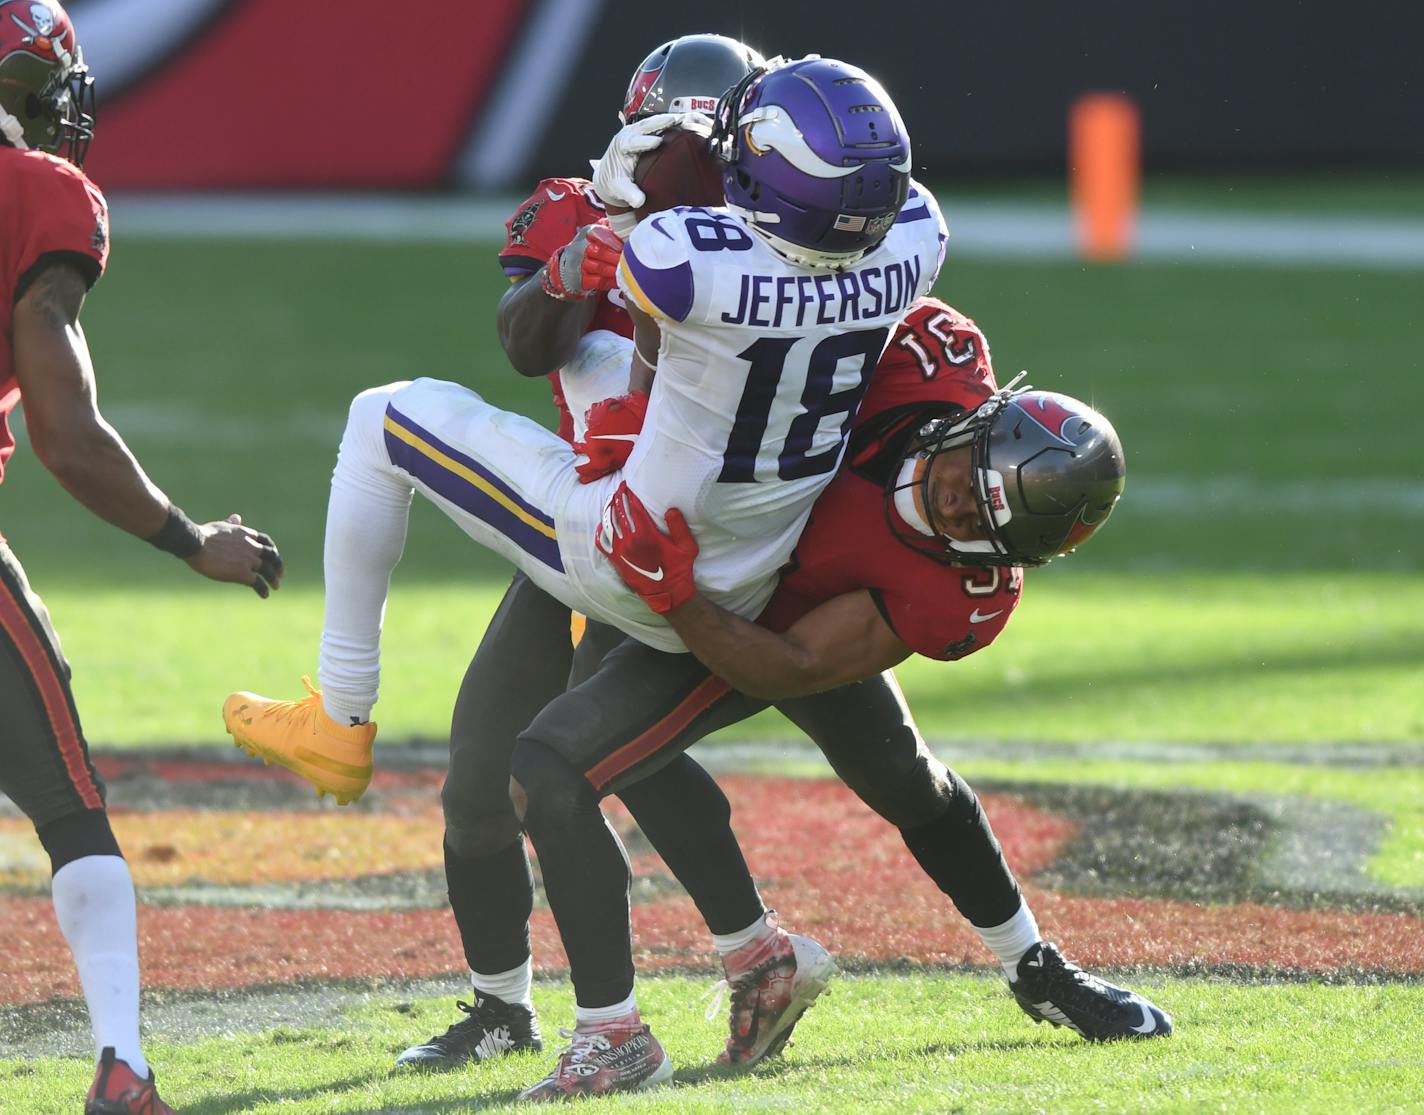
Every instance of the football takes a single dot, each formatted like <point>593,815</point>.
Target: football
<point>679,171</point>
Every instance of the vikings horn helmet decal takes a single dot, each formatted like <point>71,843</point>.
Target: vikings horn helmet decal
<point>818,159</point>
<point>1047,471</point>
<point>46,93</point>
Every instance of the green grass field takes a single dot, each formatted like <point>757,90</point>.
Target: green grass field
<point>1259,582</point>
<point>1258,593</point>
<point>906,1043</point>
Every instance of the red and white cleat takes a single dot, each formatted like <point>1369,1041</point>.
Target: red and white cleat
<point>627,1059</point>
<point>774,981</point>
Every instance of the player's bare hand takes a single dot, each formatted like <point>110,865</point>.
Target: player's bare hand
<point>233,552</point>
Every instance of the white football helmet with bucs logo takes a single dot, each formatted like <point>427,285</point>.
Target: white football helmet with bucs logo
<point>46,93</point>
<point>1046,470</point>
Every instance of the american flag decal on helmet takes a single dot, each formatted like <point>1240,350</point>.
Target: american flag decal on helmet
<point>846,222</point>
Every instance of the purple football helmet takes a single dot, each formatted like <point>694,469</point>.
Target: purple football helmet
<point>817,158</point>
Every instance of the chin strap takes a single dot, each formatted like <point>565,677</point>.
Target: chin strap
<point>906,485</point>
<point>795,253</point>
<point>13,131</point>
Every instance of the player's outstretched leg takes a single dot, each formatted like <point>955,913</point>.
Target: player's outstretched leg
<point>118,1090</point>
<point>622,1057</point>
<point>774,978</point>
<point>299,735</point>
<point>1052,989</point>
<point>489,1029</point>
<point>326,737</point>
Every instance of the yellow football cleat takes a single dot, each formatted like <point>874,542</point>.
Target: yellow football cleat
<point>298,735</point>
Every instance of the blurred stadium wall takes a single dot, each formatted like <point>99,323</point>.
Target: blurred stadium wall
<point>485,94</point>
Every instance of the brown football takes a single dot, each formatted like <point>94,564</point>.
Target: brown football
<point>679,171</point>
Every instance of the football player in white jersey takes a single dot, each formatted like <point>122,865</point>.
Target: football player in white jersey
<point>773,313</point>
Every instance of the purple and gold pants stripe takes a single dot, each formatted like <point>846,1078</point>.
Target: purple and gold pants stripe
<point>471,486</point>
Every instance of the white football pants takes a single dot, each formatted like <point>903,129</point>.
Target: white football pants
<point>505,480</point>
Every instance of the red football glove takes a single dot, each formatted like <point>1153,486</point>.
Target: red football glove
<point>657,566</point>
<point>585,265</point>
<point>612,429</point>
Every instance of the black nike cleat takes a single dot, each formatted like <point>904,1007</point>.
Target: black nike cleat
<point>1051,989</point>
<point>492,1029</point>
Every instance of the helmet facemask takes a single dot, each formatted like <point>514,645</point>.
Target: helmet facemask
<point>1046,471</point>
<point>73,108</point>
<point>46,93</point>
<point>918,529</point>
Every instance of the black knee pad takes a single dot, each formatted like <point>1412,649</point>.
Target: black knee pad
<point>552,787</point>
<point>478,826</point>
<point>482,839</point>
<point>77,835</point>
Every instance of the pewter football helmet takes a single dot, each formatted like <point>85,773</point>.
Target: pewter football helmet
<point>1047,471</point>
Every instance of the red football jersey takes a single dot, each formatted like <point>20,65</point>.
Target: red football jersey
<point>937,355</point>
<point>544,223</point>
<point>46,205</point>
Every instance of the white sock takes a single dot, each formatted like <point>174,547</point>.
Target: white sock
<point>366,518</point>
<point>598,1018</point>
<point>513,986</point>
<point>731,942</point>
<point>94,905</point>
<point>1012,939</point>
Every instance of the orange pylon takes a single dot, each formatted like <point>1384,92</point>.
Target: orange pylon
<point>1104,170</point>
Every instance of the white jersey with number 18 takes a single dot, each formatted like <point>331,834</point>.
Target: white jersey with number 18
<point>760,373</point>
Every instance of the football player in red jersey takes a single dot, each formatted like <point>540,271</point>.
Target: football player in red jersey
<point>54,244</point>
<point>522,663</point>
<point>906,552</point>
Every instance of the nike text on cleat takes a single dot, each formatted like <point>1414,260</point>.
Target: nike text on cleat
<point>1050,989</point>
<point>626,1059</point>
<point>652,575</point>
<point>785,976</point>
<point>491,1028</point>
<point>298,735</point>
<point>117,1090</point>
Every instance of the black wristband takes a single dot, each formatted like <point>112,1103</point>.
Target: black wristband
<point>179,535</point>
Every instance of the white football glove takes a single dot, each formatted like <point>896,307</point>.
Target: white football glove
<point>613,174</point>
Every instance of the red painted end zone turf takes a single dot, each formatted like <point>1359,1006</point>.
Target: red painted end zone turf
<point>833,870</point>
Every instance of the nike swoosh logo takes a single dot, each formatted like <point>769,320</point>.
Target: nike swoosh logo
<point>976,617</point>
<point>652,575</point>
<point>1149,1022</point>
<point>613,437</point>
<point>556,197</point>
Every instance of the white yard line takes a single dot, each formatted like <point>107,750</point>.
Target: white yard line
<point>977,229</point>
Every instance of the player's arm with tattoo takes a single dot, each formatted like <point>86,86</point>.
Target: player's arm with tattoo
<point>91,461</point>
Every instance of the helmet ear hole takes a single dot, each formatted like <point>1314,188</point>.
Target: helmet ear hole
<point>33,107</point>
